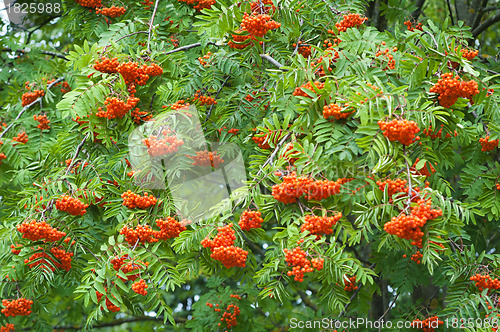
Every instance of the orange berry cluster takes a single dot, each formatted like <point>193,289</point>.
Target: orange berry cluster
<point>410,26</point>
<point>3,124</point>
<point>204,100</point>
<point>330,55</point>
<point>393,186</point>
<point>497,185</point>
<point>89,3</point>
<point>205,60</point>
<point>438,134</point>
<point>163,146</point>
<point>178,105</point>
<point>487,145</point>
<point>335,110</point>
<point>304,50</point>
<point>250,219</point>
<point>14,250</point>
<point>106,65</point>
<point>7,328</point>
<point>391,63</point>
<point>262,6</point>
<point>132,200</point>
<point>76,165</point>
<point>233,131</point>
<point>36,231</point>
<point>18,307</point>
<point>43,121</point>
<point>240,41</point>
<point>147,3</point>
<point>29,97</point>
<point>41,258</point>
<point>140,234</point>
<point>299,92</point>
<point>229,317</point>
<point>424,170</point>
<point>485,282</point>
<point>402,131</point>
<point>349,21</point>
<point>169,228</point>
<point>22,138</point>
<point>207,159</point>
<point>318,226</point>
<point>133,74</point>
<point>117,108</point>
<point>129,267</point>
<point>2,156</point>
<point>428,324</point>
<point>111,307</point>
<point>416,257</point>
<point>292,188</point>
<point>223,249</point>
<point>71,205</point>
<point>468,54</point>
<point>296,258</point>
<point>199,4</point>
<point>138,116</point>
<point>140,287</point>
<point>263,141</point>
<point>258,25</point>
<point>450,89</point>
<point>111,11</point>
<point>409,226</point>
<point>350,284</point>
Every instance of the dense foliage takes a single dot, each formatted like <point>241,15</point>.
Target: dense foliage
<point>369,135</point>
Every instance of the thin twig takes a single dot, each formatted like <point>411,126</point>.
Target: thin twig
<point>216,96</point>
<point>25,108</point>
<point>335,11</point>
<point>151,23</point>
<point>271,157</point>
<point>186,47</point>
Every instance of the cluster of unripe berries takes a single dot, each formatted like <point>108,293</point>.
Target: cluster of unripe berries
<point>402,131</point>
<point>18,307</point>
<point>43,121</point>
<point>336,111</point>
<point>162,146</point>
<point>318,226</point>
<point>29,97</point>
<point>204,100</point>
<point>258,25</point>
<point>427,325</point>
<point>62,261</point>
<point>250,219</point>
<point>451,88</point>
<point>223,249</point>
<point>485,282</point>
<point>487,145</point>
<point>296,258</point>
<point>410,226</point>
<point>294,187</point>
<point>36,231</point>
<point>132,200</point>
<point>111,11</point>
<point>71,205</point>
<point>21,137</point>
<point>299,90</point>
<point>349,21</point>
<point>140,287</point>
<point>207,159</point>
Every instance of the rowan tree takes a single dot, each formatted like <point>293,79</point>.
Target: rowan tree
<point>369,134</point>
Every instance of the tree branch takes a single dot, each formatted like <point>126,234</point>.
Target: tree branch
<point>151,23</point>
<point>271,60</point>
<point>25,108</point>
<point>186,47</point>
<point>307,301</point>
<point>485,25</point>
